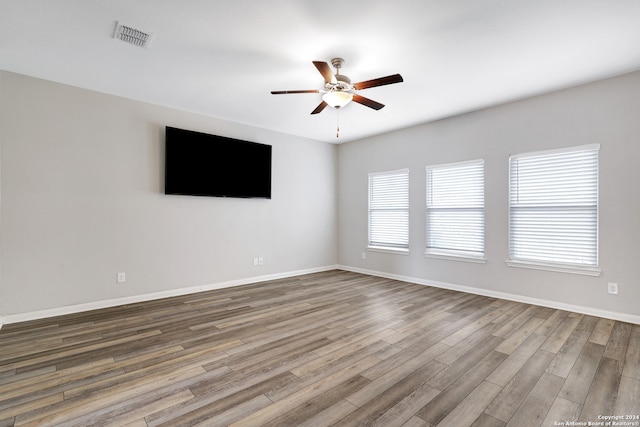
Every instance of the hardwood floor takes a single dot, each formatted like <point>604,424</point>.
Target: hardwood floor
<point>334,348</point>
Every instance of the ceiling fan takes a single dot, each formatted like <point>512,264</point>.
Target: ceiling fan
<point>338,89</point>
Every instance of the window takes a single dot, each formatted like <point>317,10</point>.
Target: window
<point>455,210</point>
<point>389,210</point>
<point>553,209</point>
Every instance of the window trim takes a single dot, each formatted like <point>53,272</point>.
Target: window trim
<point>388,250</point>
<point>456,257</point>
<point>585,271</point>
<point>377,247</point>
<point>588,270</point>
<point>452,254</point>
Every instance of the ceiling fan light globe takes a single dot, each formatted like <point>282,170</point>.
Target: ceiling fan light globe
<point>337,99</point>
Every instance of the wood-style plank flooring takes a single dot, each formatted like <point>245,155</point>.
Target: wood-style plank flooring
<point>333,348</point>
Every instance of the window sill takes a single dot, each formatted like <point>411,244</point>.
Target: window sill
<point>585,271</point>
<point>397,251</point>
<point>456,257</point>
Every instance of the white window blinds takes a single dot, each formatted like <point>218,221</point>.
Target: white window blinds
<point>455,209</point>
<point>553,207</point>
<point>389,210</point>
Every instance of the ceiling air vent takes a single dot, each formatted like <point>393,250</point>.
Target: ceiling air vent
<point>132,35</point>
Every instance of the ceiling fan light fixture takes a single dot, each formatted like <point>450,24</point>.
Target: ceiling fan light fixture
<point>337,98</point>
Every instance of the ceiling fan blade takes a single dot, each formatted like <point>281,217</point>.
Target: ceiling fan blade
<point>395,78</point>
<point>368,102</point>
<point>319,108</point>
<point>325,70</point>
<point>286,92</point>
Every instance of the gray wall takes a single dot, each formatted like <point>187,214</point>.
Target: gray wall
<point>604,112</point>
<point>82,199</point>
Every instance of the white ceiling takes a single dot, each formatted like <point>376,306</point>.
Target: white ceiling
<point>222,58</point>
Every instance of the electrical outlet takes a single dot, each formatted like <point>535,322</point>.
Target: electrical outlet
<point>612,288</point>
<point>255,262</point>
<point>121,278</point>
<point>260,261</point>
<point>364,255</point>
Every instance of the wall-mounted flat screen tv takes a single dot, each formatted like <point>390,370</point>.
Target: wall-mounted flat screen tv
<point>200,164</point>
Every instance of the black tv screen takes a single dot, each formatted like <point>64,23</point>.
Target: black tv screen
<point>200,164</point>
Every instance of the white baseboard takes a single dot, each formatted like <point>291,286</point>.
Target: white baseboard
<point>78,308</point>
<point>23,317</point>
<point>623,317</point>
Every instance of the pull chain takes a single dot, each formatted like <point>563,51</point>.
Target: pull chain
<point>337,124</point>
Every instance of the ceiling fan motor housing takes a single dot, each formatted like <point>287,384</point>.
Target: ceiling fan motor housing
<point>343,84</point>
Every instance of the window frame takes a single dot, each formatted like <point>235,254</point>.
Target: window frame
<point>382,246</point>
<point>471,254</point>
<point>550,265</point>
